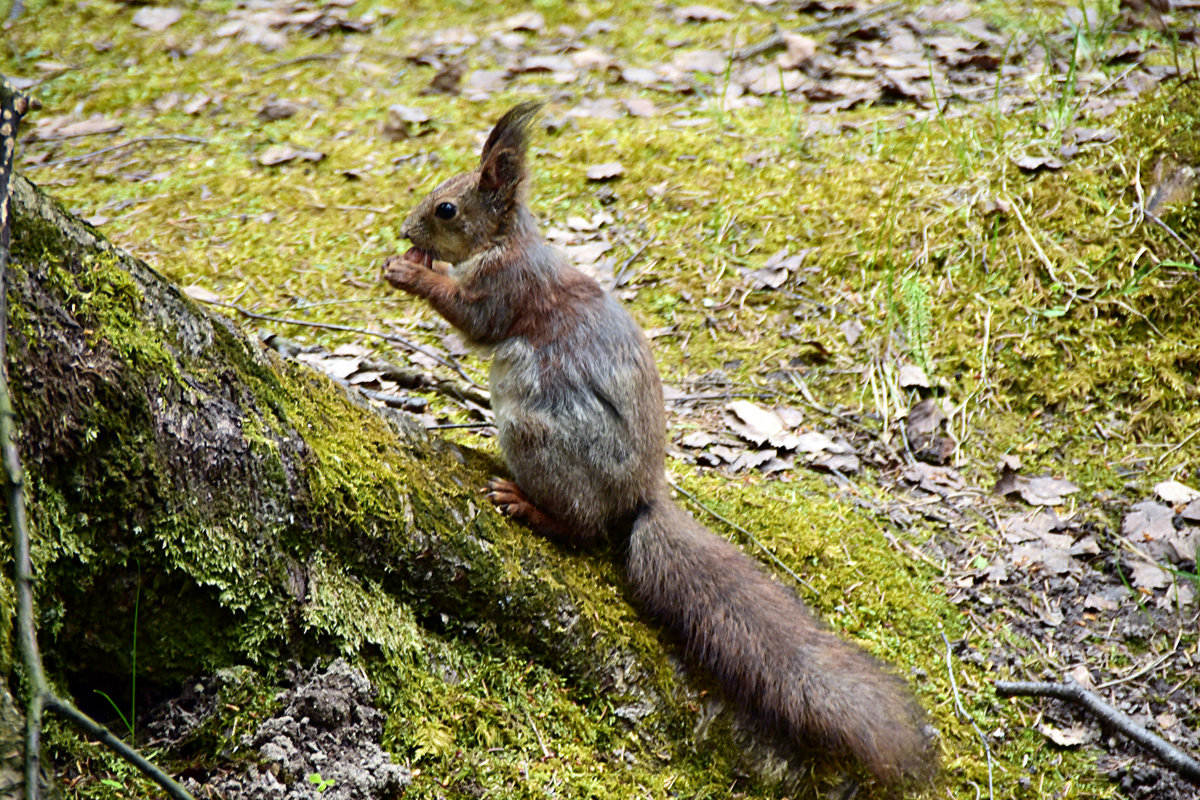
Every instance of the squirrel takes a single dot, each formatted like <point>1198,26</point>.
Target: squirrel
<point>578,405</point>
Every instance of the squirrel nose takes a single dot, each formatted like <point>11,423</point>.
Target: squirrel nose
<point>405,233</point>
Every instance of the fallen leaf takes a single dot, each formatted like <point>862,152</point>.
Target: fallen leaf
<point>1080,674</point>
<point>1066,737</point>
<point>201,294</point>
<point>752,422</point>
<point>1175,493</point>
<point>1046,491</point>
<point>482,83</point>
<point>67,127</point>
<point>282,153</point>
<point>1145,575</point>
<point>640,107</point>
<point>1174,185</point>
<point>278,109</point>
<point>1150,526</point>
<point>912,376</point>
<point>1037,163</point>
<point>640,76</point>
<point>447,79</point>
<point>605,172</point>
<point>711,62</point>
<point>701,14</point>
<point>771,80</point>
<point>813,442</point>
<point>1099,603</point>
<point>195,105</point>
<point>800,50</point>
<point>530,21</point>
<point>404,122</point>
<point>156,18</point>
<point>697,439</point>
<point>852,329</point>
<point>924,418</point>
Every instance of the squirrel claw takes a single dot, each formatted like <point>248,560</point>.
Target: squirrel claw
<point>509,499</point>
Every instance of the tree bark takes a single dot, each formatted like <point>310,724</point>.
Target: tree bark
<point>252,510</point>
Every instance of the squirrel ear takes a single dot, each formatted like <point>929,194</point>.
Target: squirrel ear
<point>502,163</point>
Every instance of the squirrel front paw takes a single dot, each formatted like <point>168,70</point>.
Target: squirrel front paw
<point>402,272</point>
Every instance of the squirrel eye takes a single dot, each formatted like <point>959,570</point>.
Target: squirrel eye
<point>445,211</point>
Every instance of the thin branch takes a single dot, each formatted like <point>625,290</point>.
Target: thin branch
<point>105,737</point>
<point>962,712</point>
<point>123,145</point>
<point>1150,215</point>
<point>13,105</point>
<point>745,533</point>
<point>1071,691</point>
<point>329,326</point>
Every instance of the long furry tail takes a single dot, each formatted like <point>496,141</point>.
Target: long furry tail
<point>768,651</point>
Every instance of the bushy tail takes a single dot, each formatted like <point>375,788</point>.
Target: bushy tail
<point>768,651</point>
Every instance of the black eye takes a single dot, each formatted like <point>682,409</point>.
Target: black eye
<point>445,211</point>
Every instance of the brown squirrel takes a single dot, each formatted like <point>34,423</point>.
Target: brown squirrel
<point>579,409</point>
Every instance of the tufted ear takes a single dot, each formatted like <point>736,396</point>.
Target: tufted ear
<point>502,163</point>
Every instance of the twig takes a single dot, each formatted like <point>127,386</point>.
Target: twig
<point>329,326</point>
<point>13,106</point>
<point>775,40</point>
<point>745,533</point>
<point>1157,220</point>
<point>123,145</point>
<point>962,712</point>
<point>619,278</point>
<point>1071,691</point>
<point>298,60</point>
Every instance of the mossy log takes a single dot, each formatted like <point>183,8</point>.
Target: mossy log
<point>245,510</point>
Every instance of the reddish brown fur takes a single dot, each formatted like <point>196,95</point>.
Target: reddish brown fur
<point>578,405</point>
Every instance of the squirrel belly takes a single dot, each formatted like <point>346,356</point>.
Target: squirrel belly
<point>768,652</point>
<point>579,409</point>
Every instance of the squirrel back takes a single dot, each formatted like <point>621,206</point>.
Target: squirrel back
<point>579,410</point>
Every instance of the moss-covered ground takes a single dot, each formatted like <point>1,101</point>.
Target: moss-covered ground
<point>1052,322</point>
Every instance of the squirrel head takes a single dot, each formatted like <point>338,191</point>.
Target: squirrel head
<point>474,211</point>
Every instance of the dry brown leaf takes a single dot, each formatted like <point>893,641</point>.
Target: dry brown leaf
<point>1175,493</point>
<point>482,83</point>
<point>156,18</point>
<point>752,422</point>
<point>912,377</point>
<point>404,122</point>
<point>277,109</point>
<point>1047,491</point>
<point>1067,737</point>
<point>282,153</point>
<point>530,21</point>
<point>640,107</point>
<point>67,127</point>
<point>201,294</point>
<point>701,14</point>
<point>605,172</point>
<point>771,80</point>
<point>800,50</point>
<point>711,62</point>
<point>1145,575</point>
<point>1036,163</point>
<point>1174,185</point>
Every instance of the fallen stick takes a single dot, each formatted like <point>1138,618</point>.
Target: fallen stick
<point>1071,691</point>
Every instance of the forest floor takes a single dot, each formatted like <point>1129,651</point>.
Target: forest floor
<point>935,261</point>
